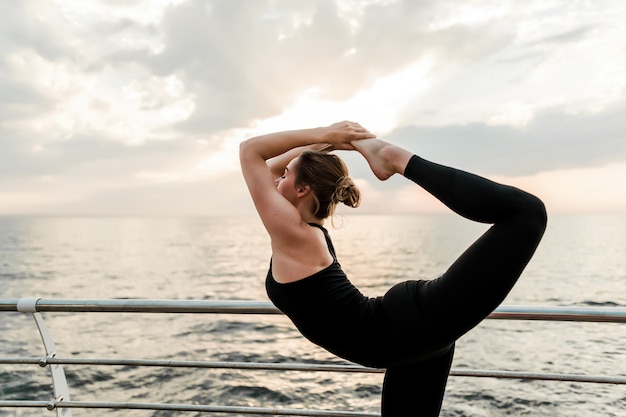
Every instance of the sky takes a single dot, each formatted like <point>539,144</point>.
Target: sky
<point>119,107</point>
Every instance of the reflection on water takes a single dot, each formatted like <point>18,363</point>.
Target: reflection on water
<point>580,262</point>
<point>147,258</point>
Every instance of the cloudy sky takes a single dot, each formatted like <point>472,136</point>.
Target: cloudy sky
<point>137,107</point>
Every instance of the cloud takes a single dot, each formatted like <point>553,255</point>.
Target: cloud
<point>553,140</point>
<point>246,61</point>
<point>574,35</point>
<point>22,27</point>
<point>30,24</point>
<point>28,156</point>
<point>115,100</point>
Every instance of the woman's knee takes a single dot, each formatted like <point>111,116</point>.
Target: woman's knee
<point>535,214</point>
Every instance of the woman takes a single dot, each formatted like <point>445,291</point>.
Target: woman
<point>411,330</point>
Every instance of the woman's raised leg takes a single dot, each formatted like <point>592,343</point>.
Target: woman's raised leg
<point>479,280</point>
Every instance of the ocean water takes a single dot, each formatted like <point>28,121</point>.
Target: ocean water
<point>580,262</point>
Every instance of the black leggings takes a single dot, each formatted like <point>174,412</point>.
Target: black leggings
<point>436,313</point>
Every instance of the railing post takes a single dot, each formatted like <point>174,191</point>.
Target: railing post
<point>59,383</point>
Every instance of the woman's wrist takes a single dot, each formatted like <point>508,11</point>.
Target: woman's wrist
<point>319,135</point>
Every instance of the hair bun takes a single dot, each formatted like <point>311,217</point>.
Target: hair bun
<point>346,192</point>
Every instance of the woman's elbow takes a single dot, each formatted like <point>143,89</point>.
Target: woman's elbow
<point>244,149</point>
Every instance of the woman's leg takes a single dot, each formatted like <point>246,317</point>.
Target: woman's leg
<point>416,390</point>
<point>476,283</point>
<point>483,275</point>
<point>479,280</point>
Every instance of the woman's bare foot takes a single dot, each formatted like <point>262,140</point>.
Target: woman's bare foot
<point>383,158</point>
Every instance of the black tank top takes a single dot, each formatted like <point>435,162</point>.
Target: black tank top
<point>332,313</point>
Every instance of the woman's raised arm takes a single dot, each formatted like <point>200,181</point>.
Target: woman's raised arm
<point>275,211</point>
<point>277,164</point>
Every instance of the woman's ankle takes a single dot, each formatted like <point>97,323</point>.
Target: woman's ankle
<point>384,158</point>
<point>397,158</point>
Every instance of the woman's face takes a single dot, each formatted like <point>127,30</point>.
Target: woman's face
<point>286,184</point>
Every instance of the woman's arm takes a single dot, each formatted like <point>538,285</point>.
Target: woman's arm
<point>338,135</point>
<point>278,215</point>
<point>277,164</point>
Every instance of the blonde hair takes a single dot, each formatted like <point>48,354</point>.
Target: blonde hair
<point>327,175</point>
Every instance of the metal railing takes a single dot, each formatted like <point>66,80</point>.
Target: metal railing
<point>63,405</point>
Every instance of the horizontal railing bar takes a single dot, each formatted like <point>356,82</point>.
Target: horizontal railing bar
<point>576,314</point>
<point>184,407</point>
<point>540,376</point>
<point>194,364</point>
<point>23,404</point>
<point>147,306</point>
<point>579,314</point>
<point>600,379</point>
<point>27,404</point>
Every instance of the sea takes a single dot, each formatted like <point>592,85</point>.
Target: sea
<point>581,262</point>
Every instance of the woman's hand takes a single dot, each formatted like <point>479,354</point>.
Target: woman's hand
<point>340,134</point>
